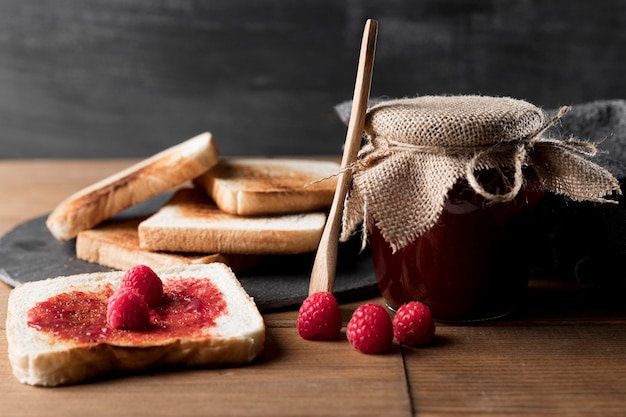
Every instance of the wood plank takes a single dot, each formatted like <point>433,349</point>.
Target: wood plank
<point>521,370</point>
<point>294,377</point>
<point>563,354</point>
<point>37,186</point>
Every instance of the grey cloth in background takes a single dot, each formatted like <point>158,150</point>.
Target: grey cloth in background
<point>602,123</point>
<point>581,241</point>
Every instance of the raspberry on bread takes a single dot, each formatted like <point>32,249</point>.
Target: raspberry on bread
<point>206,319</point>
<point>126,309</point>
<point>148,178</point>
<point>143,280</point>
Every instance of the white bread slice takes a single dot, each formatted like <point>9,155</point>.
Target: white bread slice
<point>40,358</point>
<point>161,172</point>
<point>115,244</point>
<point>260,186</point>
<point>190,222</point>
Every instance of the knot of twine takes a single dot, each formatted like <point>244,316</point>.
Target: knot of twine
<point>520,149</point>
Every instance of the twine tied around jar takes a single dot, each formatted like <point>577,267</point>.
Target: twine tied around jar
<point>417,148</point>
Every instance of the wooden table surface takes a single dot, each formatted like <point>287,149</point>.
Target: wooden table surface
<point>563,353</point>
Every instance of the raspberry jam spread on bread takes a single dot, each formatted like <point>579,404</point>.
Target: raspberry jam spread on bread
<point>58,329</point>
<point>189,306</point>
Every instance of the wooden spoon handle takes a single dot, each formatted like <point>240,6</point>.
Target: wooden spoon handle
<point>325,264</point>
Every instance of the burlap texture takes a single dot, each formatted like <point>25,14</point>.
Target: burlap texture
<point>417,148</point>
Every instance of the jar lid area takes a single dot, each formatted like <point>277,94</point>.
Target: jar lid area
<point>454,120</point>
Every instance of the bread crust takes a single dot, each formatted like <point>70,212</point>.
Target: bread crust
<point>115,244</point>
<point>262,186</point>
<point>161,172</point>
<point>190,222</point>
<point>38,358</point>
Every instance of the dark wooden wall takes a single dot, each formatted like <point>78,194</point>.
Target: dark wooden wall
<point>105,78</point>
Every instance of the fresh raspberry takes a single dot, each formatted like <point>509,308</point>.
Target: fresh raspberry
<point>145,282</point>
<point>413,324</point>
<point>319,317</point>
<point>127,310</point>
<point>370,329</point>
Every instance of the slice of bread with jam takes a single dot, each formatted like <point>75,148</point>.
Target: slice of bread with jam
<point>58,334</point>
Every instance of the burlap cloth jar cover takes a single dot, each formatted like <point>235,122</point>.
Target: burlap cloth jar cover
<point>416,149</point>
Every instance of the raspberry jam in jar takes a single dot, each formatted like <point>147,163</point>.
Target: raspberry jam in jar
<point>448,188</point>
<point>474,263</point>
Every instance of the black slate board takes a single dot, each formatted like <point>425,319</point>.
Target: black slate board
<point>30,253</point>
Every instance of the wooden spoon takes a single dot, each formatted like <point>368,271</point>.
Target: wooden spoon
<point>325,264</point>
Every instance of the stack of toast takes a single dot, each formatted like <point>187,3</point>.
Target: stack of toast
<point>230,210</point>
<point>222,214</point>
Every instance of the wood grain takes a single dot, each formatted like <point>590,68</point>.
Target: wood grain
<point>564,353</point>
<point>289,380</point>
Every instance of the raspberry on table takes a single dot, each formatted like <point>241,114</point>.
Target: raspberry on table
<point>370,329</point>
<point>413,324</point>
<point>127,310</point>
<point>145,282</point>
<point>319,317</point>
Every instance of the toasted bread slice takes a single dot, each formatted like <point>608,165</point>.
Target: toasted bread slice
<point>190,222</point>
<point>261,186</point>
<point>161,172</point>
<point>229,330</point>
<point>115,244</point>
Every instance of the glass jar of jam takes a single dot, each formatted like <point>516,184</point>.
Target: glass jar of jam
<point>474,263</point>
